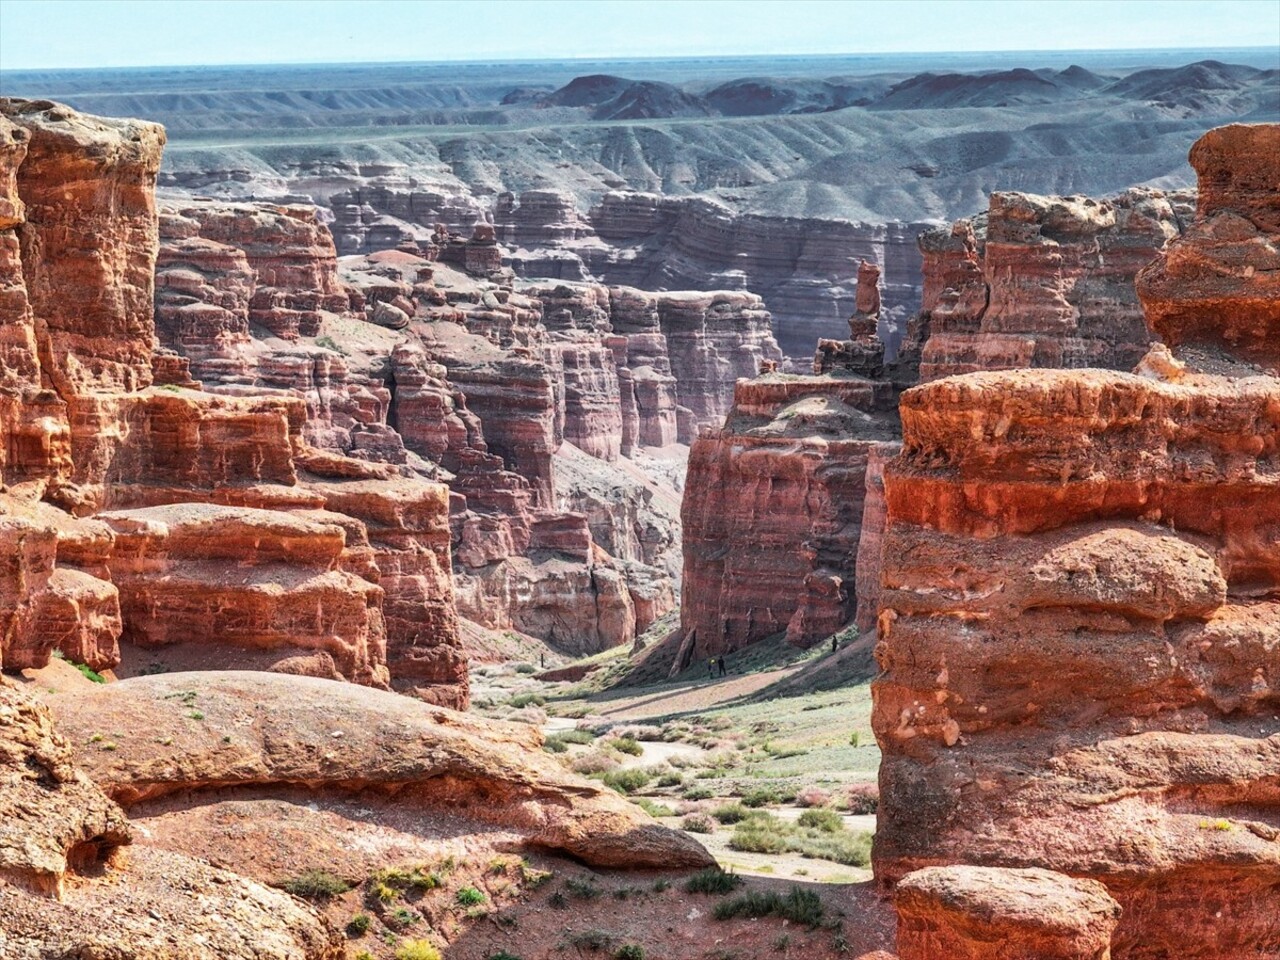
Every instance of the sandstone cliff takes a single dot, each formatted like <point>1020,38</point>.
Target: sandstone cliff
<point>1039,282</point>
<point>1081,603</point>
<point>195,527</point>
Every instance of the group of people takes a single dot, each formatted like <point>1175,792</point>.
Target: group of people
<point>713,663</point>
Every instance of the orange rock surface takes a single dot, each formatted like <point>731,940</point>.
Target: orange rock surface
<point>1079,624</point>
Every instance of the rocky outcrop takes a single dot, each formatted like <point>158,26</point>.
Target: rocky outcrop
<point>1080,606</point>
<point>216,531</point>
<point>871,536</point>
<point>261,734</point>
<point>65,891</point>
<point>982,913</point>
<point>1040,282</point>
<point>1227,262</point>
<point>773,510</point>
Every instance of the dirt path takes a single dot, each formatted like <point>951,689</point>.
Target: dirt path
<point>688,697</point>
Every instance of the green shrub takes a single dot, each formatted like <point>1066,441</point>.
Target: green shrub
<point>730,813</point>
<point>526,668</point>
<point>760,836</point>
<point>626,781</point>
<point>713,880</point>
<point>855,739</point>
<point>798,906</point>
<point>696,793</point>
<point>632,951</point>
<point>315,885</point>
<point>521,700</point>
<point>502,955</point>
<point>628,745</point>
<point>358,926</point>
<point>470,897</point>
<point>671,780</point>
<point>555,745</point>
<point>417,950</point>
<point>581,737</point>
<point>828,821</point>
<point>590,940</point>
<point>760,797</point>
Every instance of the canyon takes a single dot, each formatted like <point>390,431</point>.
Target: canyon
<point>284,473</point>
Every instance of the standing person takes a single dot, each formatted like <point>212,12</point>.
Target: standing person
<point>711,668</point>
<point>835,642</point>
<point>722,665</point>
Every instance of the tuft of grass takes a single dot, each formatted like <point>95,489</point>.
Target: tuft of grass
<point>713,880</point>
<point>671,780</point>
<point>654,809</point>
<point>827,821</point>
<point>696,793</point>
<point>730,813</point>
<point>583,889</point>
<point>470,897</point>
<point>526,668</point>
<point>698,823</point>
<point>315,885</point>
<point>502,955</point>
<point>760,797</point>
<point>330,344</point>
<point>628,745</point>
<point>631,951</point>
<point>521,700</point>
<point>591,940</point>
<point>798,906</point>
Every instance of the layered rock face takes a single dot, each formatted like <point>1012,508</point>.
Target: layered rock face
<point>1081,607</point>
<point>773,510</point>
<point>188,524</point>
<point>1227,263</point>
<point>805,270</point>
<point>1039,282</point>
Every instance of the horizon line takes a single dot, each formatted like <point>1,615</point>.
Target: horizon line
<point>632,59</point>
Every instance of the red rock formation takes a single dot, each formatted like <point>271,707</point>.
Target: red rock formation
<point>65,890</point>
<point>179,558</point>
<point>1227,263</point>
<point>981,913</point>
<point>871,537</point>
<point>1081,606</point>
<point>1048,283</point>
<point>773,510</point>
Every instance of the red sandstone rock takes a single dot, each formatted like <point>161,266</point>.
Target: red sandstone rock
<point>773,510</point>
<point>65,890</point>
<point>1048,284</point>
<point>980,913</point>
<point>1221,280</point>
<point>436,758</point>
<point>1081,605</point>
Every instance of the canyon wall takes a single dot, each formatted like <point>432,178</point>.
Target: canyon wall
<point>804,269</point>
<point>1040,282</point>
<point>1081,605</point>
<point>187,525</point>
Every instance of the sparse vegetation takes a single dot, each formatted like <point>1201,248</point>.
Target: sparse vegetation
<point>330,344</point>
<point>823,837</point>
<point>713,880</point>
<point>654,809</point>
<point>417,950</point>
<point>470,897</point>
<point>358,925</point>
<point>315,885</point>
<point>630,951</point>
<point>582,888</point>
<point>828,821</point>
<point>627,745</point>
<point>627,781</point>
<point>699,823</point>
<point>591,940</point>
<point>799,906</point>
<point>730,813</point>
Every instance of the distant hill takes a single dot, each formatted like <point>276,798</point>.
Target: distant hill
<point>617,98</point>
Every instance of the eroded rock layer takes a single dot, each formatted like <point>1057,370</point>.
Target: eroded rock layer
<point>773,510</point>
<point>187,524</point>
<point>1039,282</point>
<point>1081,613</point>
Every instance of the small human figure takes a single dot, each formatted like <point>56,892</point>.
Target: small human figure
<point>722,667</point>
<point>835,642</point>
<point>711,668</point>
<point>544,661</point>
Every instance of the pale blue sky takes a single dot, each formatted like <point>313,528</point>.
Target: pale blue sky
<point>107,33</point>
